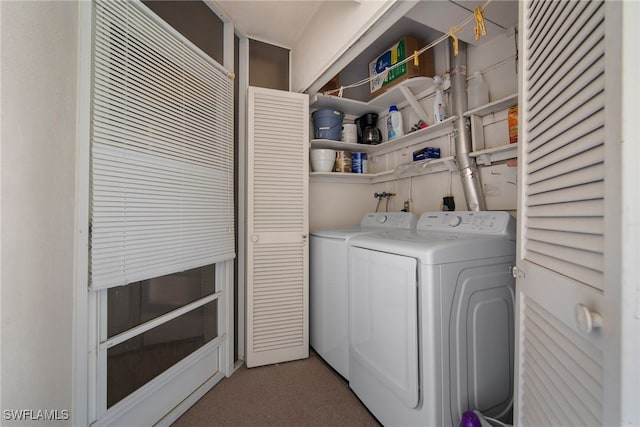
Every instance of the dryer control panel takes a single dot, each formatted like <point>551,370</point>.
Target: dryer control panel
<point>484,222</point>
<point>404,220</point>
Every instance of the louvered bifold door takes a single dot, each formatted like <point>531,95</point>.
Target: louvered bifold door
<point>565,178</point>
<point>277,227</point>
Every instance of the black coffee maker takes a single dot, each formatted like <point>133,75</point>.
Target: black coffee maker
<point>368,133</point>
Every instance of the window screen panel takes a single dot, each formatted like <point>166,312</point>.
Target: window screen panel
<point>162,150</point>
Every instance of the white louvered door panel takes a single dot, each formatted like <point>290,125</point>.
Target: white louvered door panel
<point>569,170</point>
<point>277,227</point>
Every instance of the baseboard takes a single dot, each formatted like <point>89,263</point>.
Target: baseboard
<point>187,403</point>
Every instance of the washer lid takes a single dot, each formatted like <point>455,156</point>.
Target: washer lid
<point>338,233</point>
<point>433,247</point>
<point>372,222</point>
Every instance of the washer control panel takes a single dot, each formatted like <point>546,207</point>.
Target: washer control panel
<point>485,222</point>
<point>404,220</point>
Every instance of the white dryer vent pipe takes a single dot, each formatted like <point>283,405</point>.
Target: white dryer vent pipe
<point>469,173</point>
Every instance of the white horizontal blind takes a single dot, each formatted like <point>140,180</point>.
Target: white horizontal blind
<point>161,150</point>
<point>565,139</point>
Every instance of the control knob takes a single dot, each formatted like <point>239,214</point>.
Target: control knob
<point>382,219</point>
<point>455,221</point>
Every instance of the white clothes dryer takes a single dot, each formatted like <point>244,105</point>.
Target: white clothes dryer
<point>432,319</point>
<point>328,284</point>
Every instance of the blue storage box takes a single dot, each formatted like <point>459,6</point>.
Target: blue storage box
<point>426,153</point>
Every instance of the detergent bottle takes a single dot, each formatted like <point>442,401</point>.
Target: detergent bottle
<point>394,123</point>
<point>439,107</point>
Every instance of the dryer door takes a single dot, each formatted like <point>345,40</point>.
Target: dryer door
<point>384,324</point>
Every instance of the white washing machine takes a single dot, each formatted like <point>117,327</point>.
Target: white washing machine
<point>432,319</point>
<point>328,284</point>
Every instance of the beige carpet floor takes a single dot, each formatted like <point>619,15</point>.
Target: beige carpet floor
<point>298,393</point>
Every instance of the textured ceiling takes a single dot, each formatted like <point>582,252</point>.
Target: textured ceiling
<point>281,22</point>
<point>276,22</point>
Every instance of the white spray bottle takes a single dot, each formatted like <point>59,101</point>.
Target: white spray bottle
<point>439,107</point>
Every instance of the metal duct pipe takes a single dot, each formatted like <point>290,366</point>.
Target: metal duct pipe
<point>466,164</point>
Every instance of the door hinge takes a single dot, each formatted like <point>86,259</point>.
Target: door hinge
<point>516,272</point>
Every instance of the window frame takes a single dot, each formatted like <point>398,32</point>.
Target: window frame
<point>194,375</point>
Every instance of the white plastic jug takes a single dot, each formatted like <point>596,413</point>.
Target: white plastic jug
<point>477,91</point>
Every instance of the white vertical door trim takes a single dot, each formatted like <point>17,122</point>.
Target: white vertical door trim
<point>227,360</point>
<point>224,285</point>
<point>81,314</point>
<point>243,84</point>
<point>93,358</point>
<point>613,216</point>
<point>630,240</point>
<point>277,226</point>
<point>290,68</point>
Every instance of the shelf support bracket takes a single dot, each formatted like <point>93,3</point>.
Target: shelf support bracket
<point>484,159</point>
<point>417,108</point>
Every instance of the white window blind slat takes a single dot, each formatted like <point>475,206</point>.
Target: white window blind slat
<point>146,114</point>
<point>141,144</point>
<point>162,151</point>
<point>136,21</point>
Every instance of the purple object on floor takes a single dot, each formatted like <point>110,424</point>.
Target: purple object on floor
<point>470,419</point>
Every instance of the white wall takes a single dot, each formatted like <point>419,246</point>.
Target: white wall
<point>334,204</point>
<point>334,27</point>
<point>499,181</point>
<point>502,80</point>
<point>39,93</point>
<point>424,192</point>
